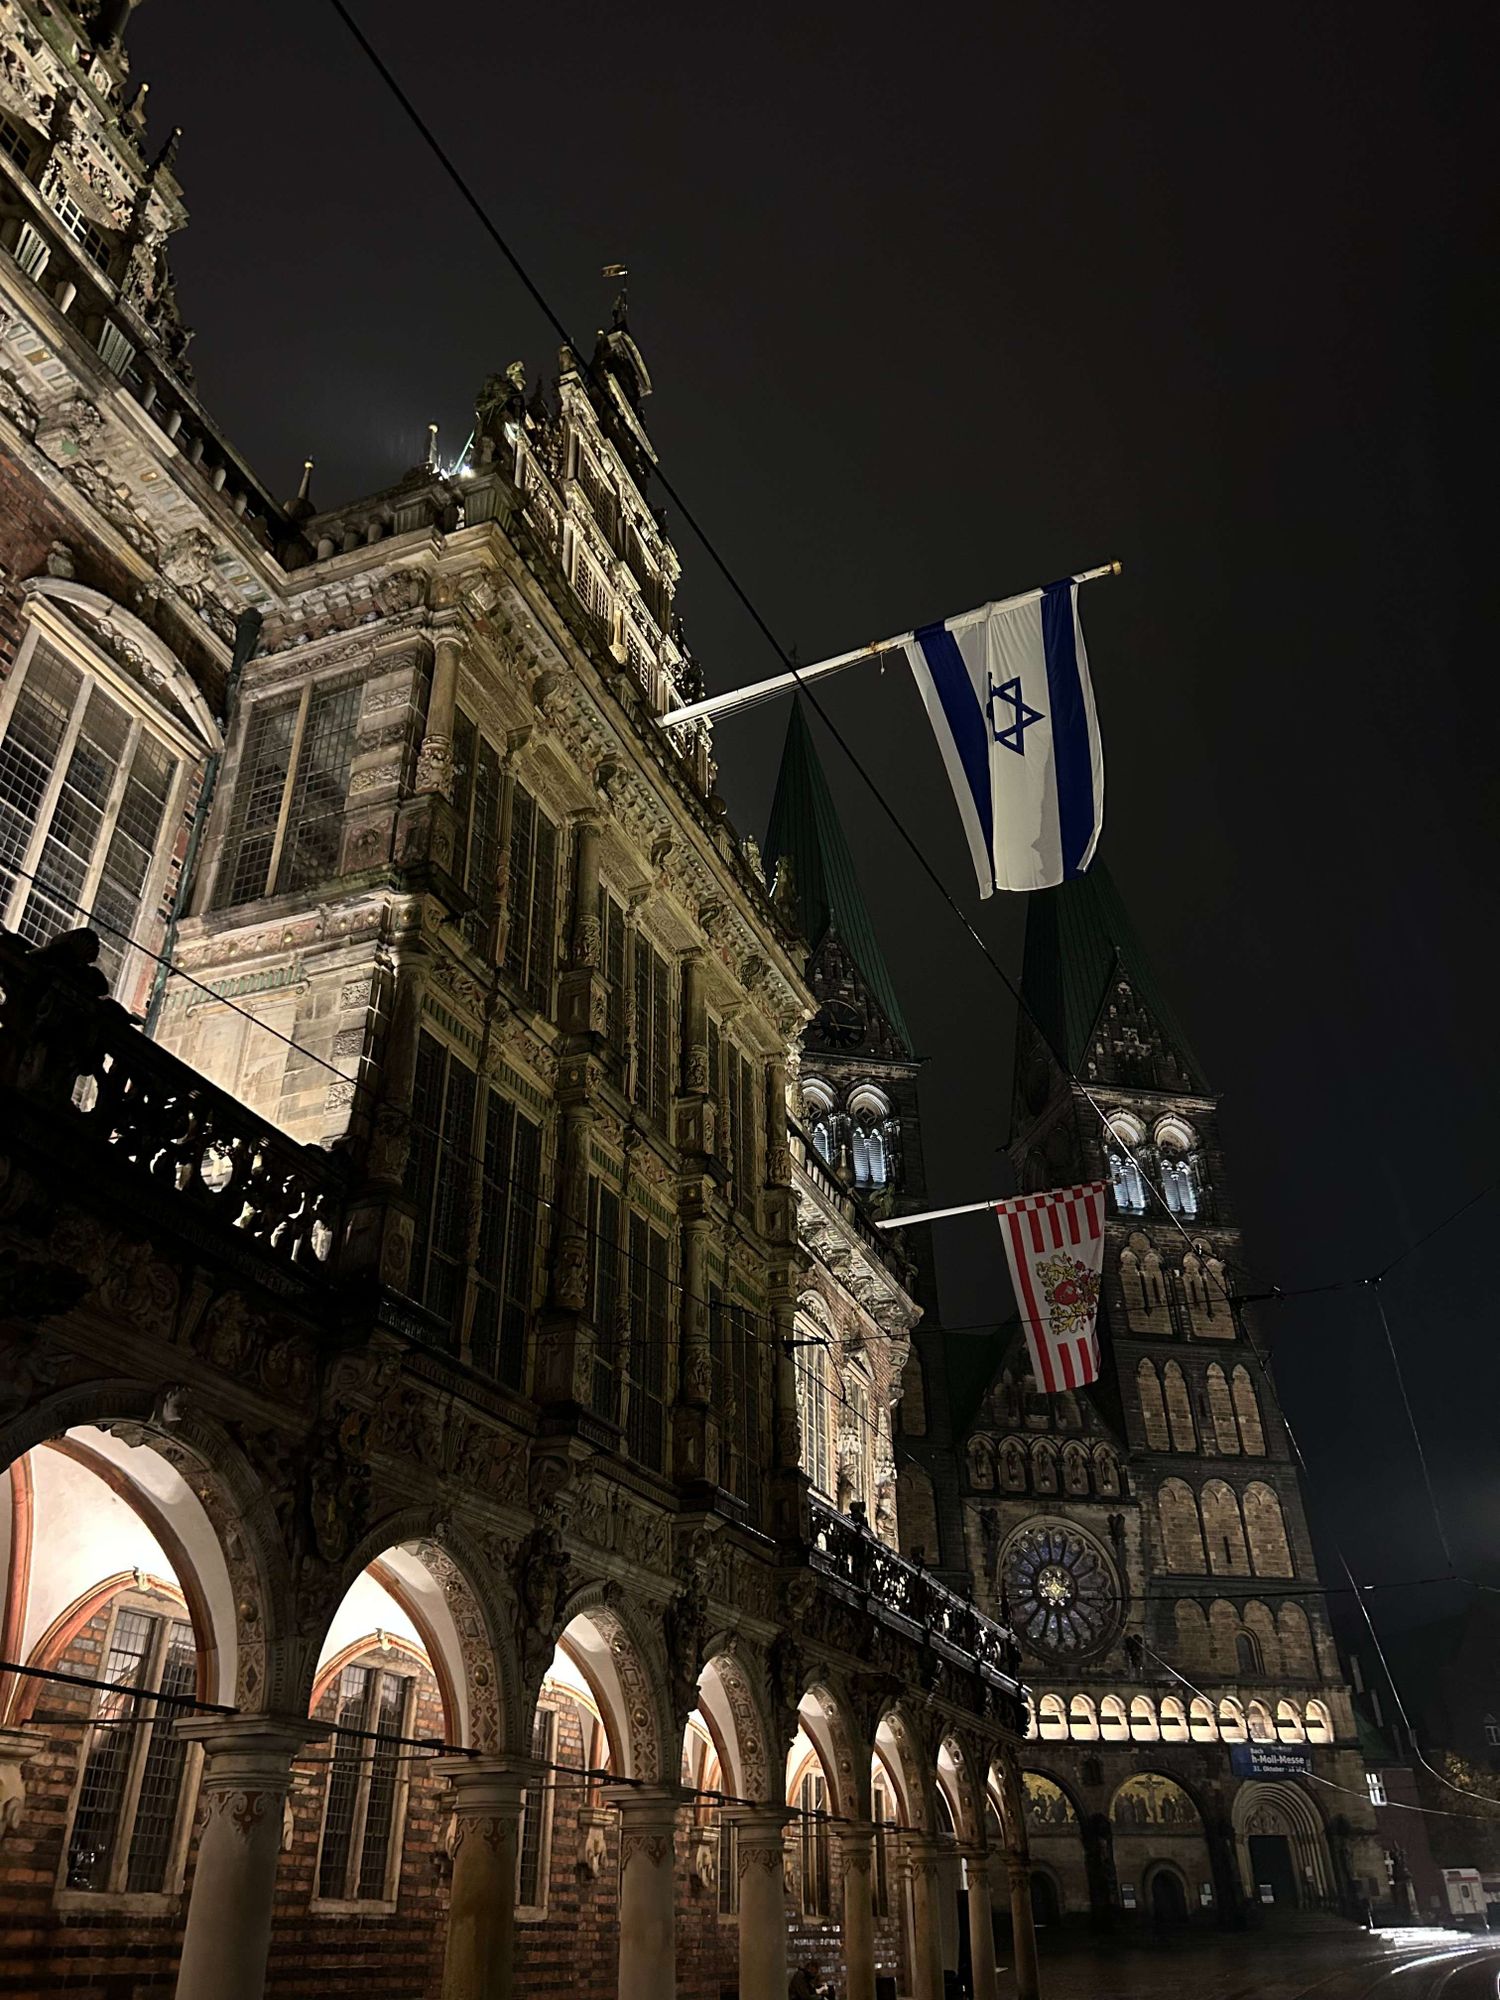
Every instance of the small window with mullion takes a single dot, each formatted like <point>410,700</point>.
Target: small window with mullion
<point>507,1242</point>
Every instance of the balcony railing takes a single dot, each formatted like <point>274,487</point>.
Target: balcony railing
<point>88,1089</point>
<point>904,1594</point>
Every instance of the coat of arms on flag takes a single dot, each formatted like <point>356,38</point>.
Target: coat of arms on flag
<point>1054,1245</point>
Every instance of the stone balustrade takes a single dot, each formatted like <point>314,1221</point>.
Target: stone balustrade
<point>79,1077</point>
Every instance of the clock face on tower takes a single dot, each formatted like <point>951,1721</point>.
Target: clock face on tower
<point>841,1024</point>
<point>1062,1589</point>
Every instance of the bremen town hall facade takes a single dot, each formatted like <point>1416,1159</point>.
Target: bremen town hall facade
<point>451,1384</point>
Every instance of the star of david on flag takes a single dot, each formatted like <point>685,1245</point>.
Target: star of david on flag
<point>1007,691</point>
<point>1054,1245</point>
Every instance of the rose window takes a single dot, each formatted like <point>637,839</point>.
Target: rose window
<point>1063,1597</point>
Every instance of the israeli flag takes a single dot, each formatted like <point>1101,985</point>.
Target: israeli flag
<point>1007,691</point>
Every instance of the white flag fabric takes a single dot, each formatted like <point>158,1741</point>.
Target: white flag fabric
<point>1007,692</point>
<point>1054,1244</point>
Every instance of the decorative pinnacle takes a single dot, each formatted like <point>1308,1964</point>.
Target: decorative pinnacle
<point>432,438</point>
<point>307,473</point>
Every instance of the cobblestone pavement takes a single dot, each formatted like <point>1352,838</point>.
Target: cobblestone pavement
<point>1324,1960</point>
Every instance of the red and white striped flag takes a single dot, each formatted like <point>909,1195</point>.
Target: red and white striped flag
<point>1054,1244</point>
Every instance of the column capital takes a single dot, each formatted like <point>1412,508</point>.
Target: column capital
<point>483,1786</point>
<point>242,1750</point>
<point>647,1805</point>
<point>19,1746</point>
<point>760,1824</point>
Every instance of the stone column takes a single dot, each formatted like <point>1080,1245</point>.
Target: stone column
<point>648,1879</point>
<point>435,757</point>
<point>247,1770</point>
<point>857,1868</point>
<point>924,1859</point>
<point>478,1958</point>
<point>762,1887</point>
<point>1022,1927</point>
<point>981,1926</point>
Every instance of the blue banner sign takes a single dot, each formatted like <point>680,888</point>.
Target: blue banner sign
<point>1269,1760</point>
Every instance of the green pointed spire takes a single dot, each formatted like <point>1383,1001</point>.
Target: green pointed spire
<point>1079,939</point>
<point>805,827</point>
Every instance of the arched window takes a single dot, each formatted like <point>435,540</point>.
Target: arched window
<point>1113,1726</point>
<point>815,1389</point>
<point>1289,1723</point>
<point>1052,1719</point>
<point>1221,1411</point>
<point>1174,1726</point>
<point>131,1798</point>
<point>1126,1181</point>
<point>1083,1721</point>
<point>1181,1534</point>
<point>1319,1726</point>
<point>364,1804</point>
<point>96,762</point>
<point>1258,1717</point>
<point>1267,1531</point>
<point>1192,1637</point>
<point>1179,1409</point>
<point>1296,1641</point>
<point>1177,1149</point>
<point>1231,1721</point>
<point>1223,1531</point>
<point>870,1124</point>
<point>1153,1409</point>
<point>1201,1725</point>
<point>812,1803</point>
<point>1143,1727</point>
<point>1247,1655</point>
<point>1247,1409</point>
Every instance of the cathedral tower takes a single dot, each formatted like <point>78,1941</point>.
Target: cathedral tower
<point>1149,1535</point>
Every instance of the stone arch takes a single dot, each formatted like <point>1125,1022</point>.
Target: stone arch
<point>824,1717</point>
<point>1247,1412</point>
<point>1223,1530</point>
<point>1224,1628</point>
<point>440,1578</point>
<point>1221,1412</point>
<point>1153,1799</point>
<point>1265,1529</point>
<point>730,1696</point>
<point>1044,1466</point>
<point>1076,1469</point>
<point>958,1777</point>
<point>1181,1531</point>
<point>122,635</point>
<point>1295,1633</point>
<point>1192,1630</point>
<point>623,1660</point>
<point>902,1743</point>
<point>1153,1409</point>
<point>1052,1719</point>
<point>1265,1806</point>
<point>1106,1473</point>
<point>243,1552</point>
<point>1179,1409</point>
<point>1262,1627</point>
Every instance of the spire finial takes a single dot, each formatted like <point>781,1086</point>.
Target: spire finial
<point>621,310</point>
<point>432,438</point>
<point>304,490</point>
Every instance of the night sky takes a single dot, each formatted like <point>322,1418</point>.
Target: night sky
<point>939,305</point>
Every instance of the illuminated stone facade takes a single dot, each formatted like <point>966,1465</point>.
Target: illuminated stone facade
<point>1148,1538</point>
<point>415,1572</point>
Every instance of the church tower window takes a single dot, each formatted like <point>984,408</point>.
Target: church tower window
<point>1127,1183</point>
<point>1177,1149</point>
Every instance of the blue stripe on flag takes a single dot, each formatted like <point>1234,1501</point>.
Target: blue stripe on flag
<point>965,719</point>
<point>1072,758</point>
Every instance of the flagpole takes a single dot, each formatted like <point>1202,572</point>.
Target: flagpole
<point>937,1214</point>
<point>758,691</point>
